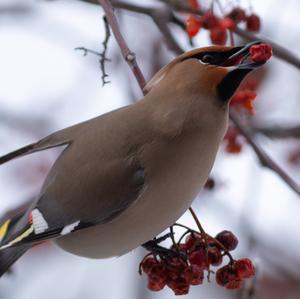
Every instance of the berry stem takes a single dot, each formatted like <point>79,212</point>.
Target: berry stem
<point>205,235</point>
<point>184,226</point>
<point>184,234</point>
<point>231,36</point>
<point>173,239</point>
<point>140,265</point>
<point>197,222</point>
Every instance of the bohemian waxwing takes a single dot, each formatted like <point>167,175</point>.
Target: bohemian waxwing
<point>127,175</point>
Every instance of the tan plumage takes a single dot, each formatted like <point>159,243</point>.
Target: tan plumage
<point>129,174</point>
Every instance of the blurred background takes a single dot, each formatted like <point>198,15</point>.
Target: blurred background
<point>46,85</point>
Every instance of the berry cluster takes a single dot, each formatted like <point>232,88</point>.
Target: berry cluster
<point>217,26</point>
<point>232,141</point>
<point>190,259</point>
<point>232,275</point>
<point>243,98</point>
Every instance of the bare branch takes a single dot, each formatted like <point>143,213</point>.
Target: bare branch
<point>161,17</point>
<point>264,158</point>
<point>279,131</point>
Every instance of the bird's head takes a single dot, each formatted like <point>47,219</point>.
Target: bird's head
<point>216,70</point>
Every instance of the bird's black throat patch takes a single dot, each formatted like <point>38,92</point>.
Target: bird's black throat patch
<point>230,83</point>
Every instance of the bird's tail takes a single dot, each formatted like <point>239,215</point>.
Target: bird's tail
<point>9,255</point>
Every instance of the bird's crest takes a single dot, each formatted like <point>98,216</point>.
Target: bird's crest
<point>190,54</point>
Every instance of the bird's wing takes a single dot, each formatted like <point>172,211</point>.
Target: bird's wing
<point>121,181</point>
<point>59,138</point>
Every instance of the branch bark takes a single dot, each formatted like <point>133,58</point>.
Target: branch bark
<point>263,157</point>
<point>279,131</point>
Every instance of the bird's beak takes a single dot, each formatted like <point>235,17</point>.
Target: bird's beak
<point>238,68</point>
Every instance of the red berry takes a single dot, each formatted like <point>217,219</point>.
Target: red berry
<point>227,239</point>
<point>192,241</point>
<point>180,286</point>
<point>148,264</point>
<point>193,25</point>
<point>194,4</point>
<point>181,247</point>
<point>237,15</point>
<point>209,20</point>
<point>218,35</point>
<point>260,53</point>
<point>244,268</point>
<point>244,98</point>
<point>176,266</point>
<point>233,144</point>
<point>210,184</point>
<point>194,275</point>
<point>155,285</point>
<point>224,275</point>
<point>227,23</point>
<point>233,148</point>
<point>234,284</point>
<point>253,22</point>
<point>173,273</point>
<point>214,256</point>
<point>232,133</point>
<point>227,277</point>
<point>199,258</point>
<point>158,272</point>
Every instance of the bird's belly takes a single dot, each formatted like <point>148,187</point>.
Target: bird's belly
<point>180,171</point>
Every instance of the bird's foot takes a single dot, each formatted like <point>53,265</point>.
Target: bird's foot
<point>154,247</point>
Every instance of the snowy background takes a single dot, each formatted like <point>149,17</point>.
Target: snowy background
<point>46,85</point>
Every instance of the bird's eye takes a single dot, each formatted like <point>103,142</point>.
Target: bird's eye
<point>208,58</point>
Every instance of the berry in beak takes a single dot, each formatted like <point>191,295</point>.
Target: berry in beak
<point>240,63</point>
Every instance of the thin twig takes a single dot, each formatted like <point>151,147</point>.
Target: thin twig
<point>104,59</point>
<point>173,238</point>
<point>202,231</point>
<point>128,55</point>
<point>86,51</point>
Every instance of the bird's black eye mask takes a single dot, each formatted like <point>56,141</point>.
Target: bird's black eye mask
<point>232,57</point>
<point>216,58</point>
